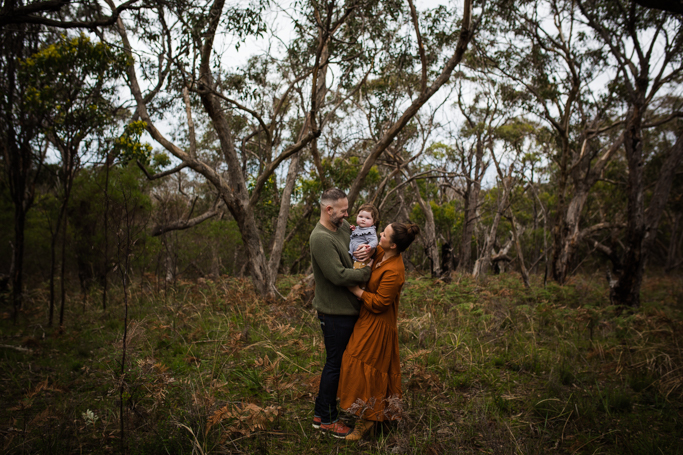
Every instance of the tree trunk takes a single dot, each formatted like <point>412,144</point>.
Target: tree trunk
<point>429,233</point>
<point>473,177</point>
<point>483,263</point>
<point>626,290</point>
<point>282,218</point>
<point>634,66</point>
<point>105,284</point>
<point>215,263</point>
<point>63,273</point>
<point>518,247</point>
<point>584,173</point>
<point>19,129</point>
<point>674,240</point>
<point>470,214</point>
<point>169,265</point>
<point>53,254</point>
<point>18,257</point>
<point>568,241</point>
<point>641,234</point>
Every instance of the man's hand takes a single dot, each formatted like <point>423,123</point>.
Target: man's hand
<point>364,252</point>
<point>357,291</point>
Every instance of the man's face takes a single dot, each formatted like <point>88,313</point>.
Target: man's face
<point>338,211</point>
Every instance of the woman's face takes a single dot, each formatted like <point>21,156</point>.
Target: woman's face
<point>385,238</point>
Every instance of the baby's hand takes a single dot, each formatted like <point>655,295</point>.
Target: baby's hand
<point>353,227</point>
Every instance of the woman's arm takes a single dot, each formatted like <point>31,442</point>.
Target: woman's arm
<point>390,285</point>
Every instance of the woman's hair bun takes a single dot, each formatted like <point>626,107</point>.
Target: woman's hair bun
<point>404,234</point>
<point>413,229</point>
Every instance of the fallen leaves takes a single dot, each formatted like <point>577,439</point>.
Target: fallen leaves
<point>243,418</point>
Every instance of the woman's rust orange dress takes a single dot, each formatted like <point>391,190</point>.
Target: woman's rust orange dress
<point>371,372</point>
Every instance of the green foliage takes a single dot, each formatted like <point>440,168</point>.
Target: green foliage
<point>130,148</point>
<point>71,82</point>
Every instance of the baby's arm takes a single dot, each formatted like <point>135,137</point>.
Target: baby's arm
<point>373,242</point>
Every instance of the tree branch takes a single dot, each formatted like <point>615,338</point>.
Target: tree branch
<point>466,34</point>
<point>161,174</point>
<point>664,120</point>
<point>671,6</point>
<point>265,175</point>
<point>184,224</point>
<point>204,89</point>
<point>190,123</point>
<point>25,15</point>
<point>420,46</point>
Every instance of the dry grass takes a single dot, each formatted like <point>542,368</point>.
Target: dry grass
<point>214,369</point>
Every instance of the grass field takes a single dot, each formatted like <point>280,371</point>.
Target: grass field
<point>211,368</point>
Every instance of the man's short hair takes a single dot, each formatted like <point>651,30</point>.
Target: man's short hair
<point>330,196</point>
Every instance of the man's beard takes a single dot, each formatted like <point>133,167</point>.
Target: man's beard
<point>337,221</point>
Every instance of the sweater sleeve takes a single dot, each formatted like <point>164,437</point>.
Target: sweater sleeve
<point>389,287</point>
<point>327,258</point>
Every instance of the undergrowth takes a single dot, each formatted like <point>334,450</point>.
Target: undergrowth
<point>214,369</point>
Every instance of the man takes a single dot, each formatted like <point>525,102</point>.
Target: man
<point>337,307</point>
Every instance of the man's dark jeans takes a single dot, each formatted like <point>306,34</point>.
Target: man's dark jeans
<point>336,330</point>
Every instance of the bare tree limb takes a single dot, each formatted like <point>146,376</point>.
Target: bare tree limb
<point>666,119</point>
<point>270,168</point>
<point>190,123</point>
<point>184,224</point>
<point>26,15</point>
<point>421,175</point>
<point>204,89</point>
<point>178,168</point>
<point>598,227</point>
<point>420,46</point>
<point>466,33</point>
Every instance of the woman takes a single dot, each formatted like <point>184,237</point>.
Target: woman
<point>371,373</point>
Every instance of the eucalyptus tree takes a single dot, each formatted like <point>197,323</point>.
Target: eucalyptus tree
<point>436,68</point>
<point>273,109</point>
<point>25,27</point>
<point>645,51</point>
<point>71,86</point>
<point>414,171</point>
<point>507,154</point>
<point>23,150</point>
<point>545,55</point>
<point>477,136</point>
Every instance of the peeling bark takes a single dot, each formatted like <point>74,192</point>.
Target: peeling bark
<point>428,235</point>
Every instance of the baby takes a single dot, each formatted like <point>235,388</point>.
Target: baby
<point>365,232</point>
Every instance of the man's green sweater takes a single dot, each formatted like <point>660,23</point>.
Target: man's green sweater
<point>333,271</point>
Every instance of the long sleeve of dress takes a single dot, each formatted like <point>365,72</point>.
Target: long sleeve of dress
<point>390,286</point>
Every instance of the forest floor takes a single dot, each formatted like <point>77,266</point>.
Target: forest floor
<point>211,368</point>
